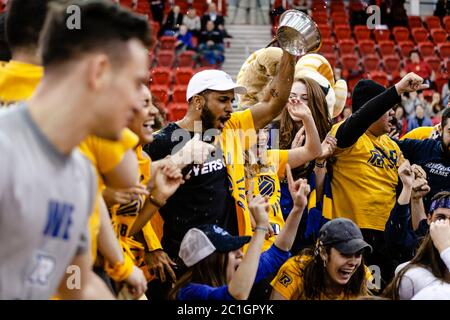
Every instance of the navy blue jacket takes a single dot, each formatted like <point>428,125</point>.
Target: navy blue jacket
<point>430,156</point>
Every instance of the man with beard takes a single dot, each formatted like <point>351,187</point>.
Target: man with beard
<point>433,155</point>
<point>215,192</point>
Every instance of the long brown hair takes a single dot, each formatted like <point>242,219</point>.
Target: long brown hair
<point>427,257</point>
<point>314,275</point>
<point>211,271</point>
<point>319,109</point>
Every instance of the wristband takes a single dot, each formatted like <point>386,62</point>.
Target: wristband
<point>121,270</point>
<point>265,229</point>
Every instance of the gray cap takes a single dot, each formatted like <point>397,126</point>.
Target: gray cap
<point>344,235</point>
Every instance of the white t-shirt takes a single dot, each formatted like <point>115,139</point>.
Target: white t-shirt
<point>419,278</point>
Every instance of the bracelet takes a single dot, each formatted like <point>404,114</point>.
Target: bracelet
<point>320,165</point>
<point>265,229</point>
<point>155,202</point>
<point>121,270</point>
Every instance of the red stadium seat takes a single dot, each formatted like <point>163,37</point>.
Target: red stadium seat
<point>444,50</point>
<point>165,58</point>
<point>176,111</point>
<point>347,46</point>
<point>446,21</point>
<point>325,30</point>
<point>366,47</point>
<point>183,75</point>
<point>433,22</point>
<point>381,35</point>
<point>391,63</point>
<point>320,17</point>
<point>426,49</point>
<point>351,82</point>
<point>439,35</point>
<point>400,33</point>
<point>415,22</point>
<point>327,46</point>
<point>337,6</point>
<point>200,7</point>
<point>350,62</point>
<point>387,47</point>
<point>380,77</point>
<point>371,63</point>
<point>161,76</point>
<point>167,43</point>
<point>396,77</point>
<point>362,33</point>
<point>187,59</point>
<point>434,62</point>
<point>319,6</point>
<point>441,80</point>
<point>161,93</point>
<point>420,34</point>
<point>406,47</point>
<point>356,5</point>
<point>331,57</point>
<point>339,18</point>
<point>343,32</point>
<point>179,93</point>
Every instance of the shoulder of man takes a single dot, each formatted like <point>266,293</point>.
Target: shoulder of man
<point>163,142</point>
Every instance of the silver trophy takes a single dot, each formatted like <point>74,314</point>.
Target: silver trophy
<point>297,33</point>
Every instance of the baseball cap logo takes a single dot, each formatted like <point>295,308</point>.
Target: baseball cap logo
<point>219,230</point>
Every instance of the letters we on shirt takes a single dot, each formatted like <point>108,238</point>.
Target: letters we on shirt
<point>59,220</point>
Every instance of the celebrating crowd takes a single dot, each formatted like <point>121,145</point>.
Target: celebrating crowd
<point>271,201</point>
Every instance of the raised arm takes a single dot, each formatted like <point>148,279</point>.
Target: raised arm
<point>419,189</point>
<point>243,279</point>
<point>277,93</point>
<point>299,191</point>
<point>398,232</point>
<point>166,180</point>
<point>320,168</point>
<point>358,123</point>
<point>299,155</point>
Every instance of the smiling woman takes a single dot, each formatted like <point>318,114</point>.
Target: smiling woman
<point>334,270</point>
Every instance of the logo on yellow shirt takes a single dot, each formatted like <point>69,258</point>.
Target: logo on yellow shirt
<point>378,155</point>
<point>285,279</point>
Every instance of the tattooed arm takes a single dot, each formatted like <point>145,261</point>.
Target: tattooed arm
<point>277,93</point>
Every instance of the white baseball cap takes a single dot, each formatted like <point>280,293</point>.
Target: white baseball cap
<point>198,243</point>
<point>213,80</point>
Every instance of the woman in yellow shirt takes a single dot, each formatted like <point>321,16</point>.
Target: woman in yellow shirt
<point>266,167</point>
<point>333,270</point>
<point>125,205</point>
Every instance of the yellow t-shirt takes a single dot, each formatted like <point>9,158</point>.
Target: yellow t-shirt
<point>267,183</point>
<point>364,180</point>
<point>124,216</point>
<point>18,80</point>
<point>105,155</point>
<point>289,280</point>
<point>238,135</point>
<point>420,133</point>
